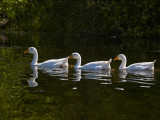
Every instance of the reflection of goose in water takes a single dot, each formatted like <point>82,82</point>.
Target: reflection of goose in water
<point>77,75</point>
<point>61,72</point>
<point>31,81</point>
<point>141,77</point>
<point>142,73</point>
<point>124,73</point>
<point>91,74</point>
<point>103,75</point>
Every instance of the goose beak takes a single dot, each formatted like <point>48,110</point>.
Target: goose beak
<point>27,51</point>
<point>116,58</point>
<point>70,57</point>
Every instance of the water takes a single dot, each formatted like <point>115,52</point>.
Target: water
<point>66,94</point>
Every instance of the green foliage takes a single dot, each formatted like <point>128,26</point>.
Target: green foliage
<point>112,17</point>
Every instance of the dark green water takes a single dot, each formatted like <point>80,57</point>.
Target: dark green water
<point>34,94</point>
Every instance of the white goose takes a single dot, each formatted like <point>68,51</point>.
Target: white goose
<point>60,63</point>
<point>98,65</point>
<point>136,66</point>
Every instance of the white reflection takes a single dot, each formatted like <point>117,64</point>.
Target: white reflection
<point>31,81</point>
<point>77,75</point>
<point>147,73</point>
<point>145,78</point>
<point>122,74</point>
<point>119,88</point>
<point>97,74</point>
<point>61,72</point>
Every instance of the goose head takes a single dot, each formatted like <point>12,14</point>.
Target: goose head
<point>31,50</point>
<point>120,57</point>
<point>75,55</point>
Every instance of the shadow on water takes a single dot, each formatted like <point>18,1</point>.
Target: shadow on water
<point>65,94</point>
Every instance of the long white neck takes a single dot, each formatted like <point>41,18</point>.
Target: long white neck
<point>35,58</point>
<point>123,64</point>
<point>78,64</point>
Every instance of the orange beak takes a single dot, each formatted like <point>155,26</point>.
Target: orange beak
<point>70,57</point>
<point>116,58</point>
<point>27,51</point>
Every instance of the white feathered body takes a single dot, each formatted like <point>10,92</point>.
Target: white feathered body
<point>63,62</point>
<point>141,66</point>
<point>98,65</point>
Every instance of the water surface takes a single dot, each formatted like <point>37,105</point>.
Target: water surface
<point>63,94</point>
